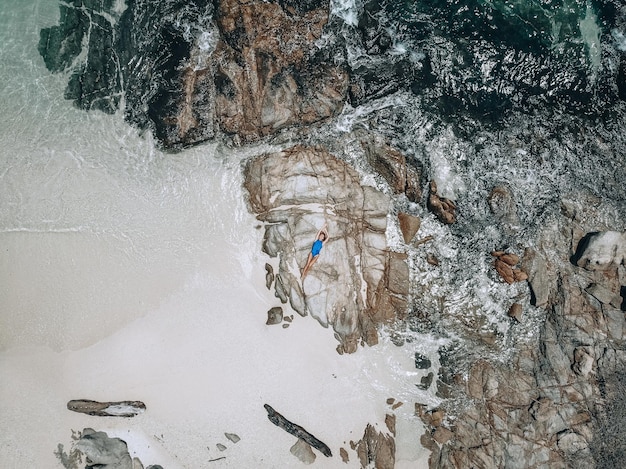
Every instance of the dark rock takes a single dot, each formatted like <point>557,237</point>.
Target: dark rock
<point>297,431</point>
<point>426,381</point>
<point>269,275</point>
<point>422,362</point>
<point>503,206</point>
<point>515,312</point>
<point>274,315</point>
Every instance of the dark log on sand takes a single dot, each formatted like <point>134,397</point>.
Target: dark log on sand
<point>107,409</point>
<point>296,430</point>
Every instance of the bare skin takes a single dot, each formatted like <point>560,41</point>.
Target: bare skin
<point>322,235</point>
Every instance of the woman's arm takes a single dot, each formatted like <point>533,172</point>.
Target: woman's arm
<point>324,230</point>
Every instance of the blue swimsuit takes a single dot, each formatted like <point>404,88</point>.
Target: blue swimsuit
<point>317,247</point>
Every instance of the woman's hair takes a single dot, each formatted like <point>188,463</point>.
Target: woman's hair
<point>324,236</point>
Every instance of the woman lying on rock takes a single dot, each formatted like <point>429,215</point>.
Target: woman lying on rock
<point>320,240</point>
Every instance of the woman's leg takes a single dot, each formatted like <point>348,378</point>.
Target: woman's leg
<point>309,263</point>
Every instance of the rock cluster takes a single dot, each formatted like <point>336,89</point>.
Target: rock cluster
<point>391,164</point>
<point>357,282</point>
<point>377,448</point>
<point>443,208</point>
<point>191,69</point>
<point>558,401</point>
<point>505,265</point>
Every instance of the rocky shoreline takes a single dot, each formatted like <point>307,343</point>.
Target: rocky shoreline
<point>543,391</point>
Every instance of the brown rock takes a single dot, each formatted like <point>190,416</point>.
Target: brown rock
<point>389,163</point>
<point>432,259</point>
<point>437,417</point>
<point>107,409</point>
<point>519,275</point>
<point>515,312</point>
<point>427,441</point>
<point>443,208</point>
<point>392,166</point>
<point>355,259</point>
<point>442,435</point>
<point>266,72</point>
<point>344,455</point>
<point>509,258</point>
<point>505,271</point>
<point>409,225</point>
<point>502,205</point>
<point>376,448</point>
<point>390,421</point>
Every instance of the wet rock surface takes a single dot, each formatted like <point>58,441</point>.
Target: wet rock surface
<point>357,283</point>
<point>191,70</point>
<point>548,406</point>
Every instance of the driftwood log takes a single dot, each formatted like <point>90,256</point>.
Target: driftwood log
<point>296,430</point>
<point>107,409</point>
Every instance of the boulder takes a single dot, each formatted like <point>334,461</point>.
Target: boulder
<point>107,409</point>
<point>504,265</point>
<point>601,250</point>
<point>267,71</point>
<point>191,69</point>
<point>356,283</point>
<point>102,451</point>
<point>538,277</point>
<point>443,208</point>
<point>409,225</point>
<point>503,206</point>
<point>422,362</point>
<point>274,316</point>
<point>515,312</point>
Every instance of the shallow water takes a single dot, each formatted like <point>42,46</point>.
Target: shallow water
<point>129,273</point>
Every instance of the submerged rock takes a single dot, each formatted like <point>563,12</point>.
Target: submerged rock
<point>302,450</point>
<point>99,451</point>
<point>357,282</point>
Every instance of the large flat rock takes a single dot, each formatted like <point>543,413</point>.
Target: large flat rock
<point>357,283</point>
